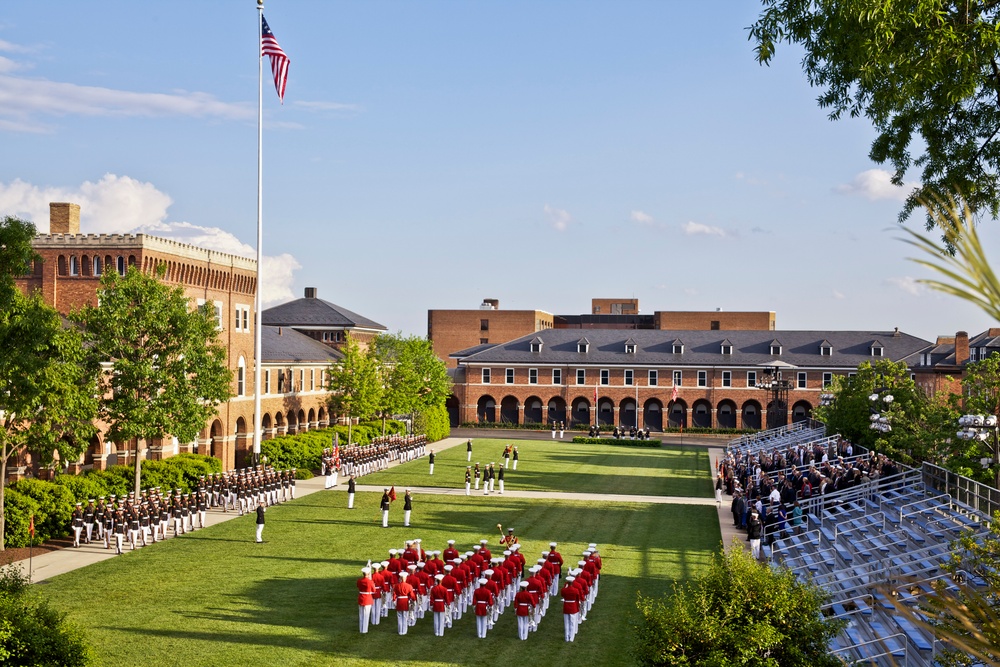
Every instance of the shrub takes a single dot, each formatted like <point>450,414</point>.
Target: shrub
<point>17,510</point>
<point>433,422</point>
<point>82,487</point>
<point>31,632</point>
<point>54,506</point>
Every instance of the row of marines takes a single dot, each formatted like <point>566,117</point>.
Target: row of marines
<point>413,582</point>
<point>359,460</point>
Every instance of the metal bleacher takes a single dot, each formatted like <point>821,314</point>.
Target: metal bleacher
<point>891,534</point>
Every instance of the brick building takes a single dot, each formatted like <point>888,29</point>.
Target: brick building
<point>323,321</point>
<point>293,367</point>
<point>453,330</point>
<point>674,377</point>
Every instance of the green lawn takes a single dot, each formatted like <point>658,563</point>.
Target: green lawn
<point>215,598</point>
<point>553,465</point>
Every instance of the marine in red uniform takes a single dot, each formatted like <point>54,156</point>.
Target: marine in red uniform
<point>366,598</point>
<point>482,603</point>
<point>404,597</point>
<point>571,608</point>
<point>439,605</point>
<point>524,607</point>
<point>451,553</point>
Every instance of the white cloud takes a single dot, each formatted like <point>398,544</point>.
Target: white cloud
<point>837,294</point>
<point>749,180</point>
<point>558,218</point>
<point>641,217</point>
<point>698,229</point>
<point>906,284</point>
<point>11,47</point>
<point>8,65</point>
<point>325,106</point>
<point>124,205</point>
<point>876,185</point>
<point>24,100</point>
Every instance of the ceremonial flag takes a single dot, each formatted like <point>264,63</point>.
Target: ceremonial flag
<point>279,61</point>
<point>392,493</point>
<point>673,394</point>
<point>31,525</point>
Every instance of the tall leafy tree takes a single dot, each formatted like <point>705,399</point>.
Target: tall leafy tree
<point>414,378</point>
<point>47,402</point>
<point>926,74</point>
<point>165,371</point>
<point>354,385</point>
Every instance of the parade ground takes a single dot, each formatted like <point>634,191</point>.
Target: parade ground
<point>214,597</point>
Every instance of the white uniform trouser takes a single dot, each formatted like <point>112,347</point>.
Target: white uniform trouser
<point>260,532</point>
<point>439,623</point>
<point>402,621</point>
<point>718,496</point>
<point>481,626</point>
<point>755,548</point>
<point>328,482</point>
<point>377,610</point>
<point>501,486</point>
<point>385,518</point>
<point>364,614</point>
<point>522,626</point>
<point>118,542</point>
<point>432,469</point>
<point>406,518</point>
<point>350,501</point>
<point>90,530</point>
<point>468,457</point>
<point>76,535</point>
<point>493,483</point>
<point>477,484</point>
<point>569,626</point>
<point>553,435</point>
<point>561,434</point>
<point>486,488</point>
<point>515,464</point>
<point>467,486</point>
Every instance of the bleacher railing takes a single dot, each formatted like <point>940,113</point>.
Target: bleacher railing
<point>965,492</point>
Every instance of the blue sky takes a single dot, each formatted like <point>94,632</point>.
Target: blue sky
<point>431,154</point>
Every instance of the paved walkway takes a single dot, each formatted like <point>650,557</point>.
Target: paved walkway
<point>53,563</point>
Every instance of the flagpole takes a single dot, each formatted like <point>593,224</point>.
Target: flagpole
<point>257,435</point>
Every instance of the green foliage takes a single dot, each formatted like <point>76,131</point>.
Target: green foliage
<point>924,73</point>
<point>738,613</point>
<point>168,369</point>
<point>620,442</point>
<point>33,633</point>
<point>413,376</point>
<point>354,385</point>
<point>433,421</point>
<point>54,505</point>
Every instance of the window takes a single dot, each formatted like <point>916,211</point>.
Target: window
<point>267,381</point>
<point>775,348</point>
<point>877,350</point>
<point>678,348</point>
<point>302,379</point>
<point>583,346</point>
<point>74,266</point>
<point>218,314</point>
<point>605,376</point>
<point>536,345</point>
<point>241,377</point>
<point>510,376</point>
<point>312,379</point>
<point>850,375</point>
<point>97,266</point>
<point>484,325</point>
<point>629,348</point>
<point>727,378</point>
<point>973,351</point>
<point>629,378</point>
<point>486,376</point>
<point>800,380</point>
<point>532,376</point>
<point>652,378</point>
<point>727,349</point>
<point>751,378</point>
<point>714,325</point>
<point>827,380</point>
<point>702,378</point>
<point>826,350</point>
<point>484,341</point>
<point>281,382</point>
<point>678,378</point>
<point>121,266</point>
<point>581,376</point>
<point>556,376</point>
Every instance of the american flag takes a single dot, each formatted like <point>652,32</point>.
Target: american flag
<point>279,61</point>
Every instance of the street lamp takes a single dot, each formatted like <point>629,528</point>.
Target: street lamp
<point>778,388</point>
<point>880,401</point>
<point>982,428</point>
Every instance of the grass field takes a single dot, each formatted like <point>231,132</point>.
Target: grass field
<point>215,598</point>
<point>553,465</point>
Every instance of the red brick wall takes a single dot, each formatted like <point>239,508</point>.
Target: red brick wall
<point>453,330</point>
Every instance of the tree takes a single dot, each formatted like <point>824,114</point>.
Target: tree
<point>925,73</point>
<point>47,403</point>
<point>354,385</point>
<point>851,410</point>
<point>413,377</point>
<point>737,613</point>
<point>164,369</point>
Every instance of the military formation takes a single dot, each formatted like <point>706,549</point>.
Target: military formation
<point>359,460</point>
<point>137,522</point>
<point>449,584</point>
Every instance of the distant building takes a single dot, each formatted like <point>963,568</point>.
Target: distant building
<point>453,330</point>
<point>323,321</point>
<point>294,365</point>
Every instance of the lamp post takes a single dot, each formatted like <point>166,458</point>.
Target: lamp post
<point>880,400</point>
<point>983,428</point>
<point>777,409</point>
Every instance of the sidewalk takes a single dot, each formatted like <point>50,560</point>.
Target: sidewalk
<point>53,563</point>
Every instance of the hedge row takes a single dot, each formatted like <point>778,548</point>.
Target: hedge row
<point>52,502</point>
<point>613,441</point>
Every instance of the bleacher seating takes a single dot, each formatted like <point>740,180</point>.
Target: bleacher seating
<point>890,533</point>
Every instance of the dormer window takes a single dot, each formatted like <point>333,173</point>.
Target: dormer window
<point>536,345</point>
<point>678,347</point>
<point>825,349</point>
<point>877,349</point>
<point>775,348</point>
<point>726,347</point>
<point>630,346</point>
<point>583,346</point>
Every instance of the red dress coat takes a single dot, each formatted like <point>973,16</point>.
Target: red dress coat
<point>571,597</point>
<point>556,558</point>
<point>481,600</point>
<point>439,598</point>
<point>403,594</point>
<point>449,554</point>
<point>366,591</point>
<point>451,584</point>
<point>523,603</point>
<point>379,580</point>
<point>536,587</point>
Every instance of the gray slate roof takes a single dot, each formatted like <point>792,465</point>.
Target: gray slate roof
<point>701,348</point>
<point>312,312</point>
<point>294,347</point>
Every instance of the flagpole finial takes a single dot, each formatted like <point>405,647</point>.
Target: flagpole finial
<point>260,3</point>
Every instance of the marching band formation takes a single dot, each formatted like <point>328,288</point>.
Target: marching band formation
<point>414,582</point>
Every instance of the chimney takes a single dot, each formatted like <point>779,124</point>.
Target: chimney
<point>64,218</point>
<point>493,303</point>
<point>310,292</point>
<point>961,347</point>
